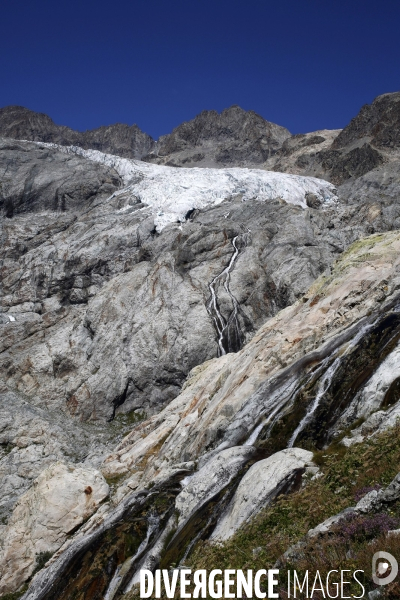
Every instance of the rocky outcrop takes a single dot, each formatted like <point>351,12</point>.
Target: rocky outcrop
<point>124,140</point>
<point>181,300</point>
<point>377,124</point>
<point>370,140</point>
<point>103,314</point>
<point>35,179</point>
<point>234,137</point>
<point>301,153</point>
<point>60,500</point>
<point>265,480</point>
<point>31,439</point>
<point>21,123</point>
<point>240,394</point>
<point>210,480</point>
<point>329,341</point>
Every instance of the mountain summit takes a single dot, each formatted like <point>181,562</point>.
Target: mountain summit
<point>234,137</point>
<point>124,140</point>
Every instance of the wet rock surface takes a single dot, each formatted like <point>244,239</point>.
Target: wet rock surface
<point>213,477</point>
<point>241,398</point>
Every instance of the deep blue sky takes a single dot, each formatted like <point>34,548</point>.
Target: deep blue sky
<point>305,64</point>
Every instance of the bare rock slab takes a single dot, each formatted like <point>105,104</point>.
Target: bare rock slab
<point>261,484</point>
<point>60,500</point>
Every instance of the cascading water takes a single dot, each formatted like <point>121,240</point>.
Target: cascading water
<point>278,402</point>
<point>153,524</point>
<point>326,381</point>
<point>225,326</point>
<point>323,387</point>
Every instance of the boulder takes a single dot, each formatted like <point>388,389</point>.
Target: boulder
<point>261,484</point>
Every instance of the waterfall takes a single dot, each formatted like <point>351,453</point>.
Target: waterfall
<point>323,387</point>
<point>153,523</point>
<point>326,381</point>
<point>223,326</point>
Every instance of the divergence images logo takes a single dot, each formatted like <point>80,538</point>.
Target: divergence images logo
<point>383,562</point>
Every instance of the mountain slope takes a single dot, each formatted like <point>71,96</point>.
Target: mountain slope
<point>158,323</point>
<point>325,341</point>
<point>369,142</point>
<point>21,123</point>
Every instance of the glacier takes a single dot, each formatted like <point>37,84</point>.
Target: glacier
<point>171,192</point>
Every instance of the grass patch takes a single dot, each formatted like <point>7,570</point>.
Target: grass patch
<point>15,595</point>
<point>345,471</point>
<point>41,560</point>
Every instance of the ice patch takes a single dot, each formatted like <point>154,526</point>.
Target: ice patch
<point>171,192</point>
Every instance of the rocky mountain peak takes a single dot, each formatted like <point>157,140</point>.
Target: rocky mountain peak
<point>377,123</point>
<point>234,137</point>
<point>21,123</point>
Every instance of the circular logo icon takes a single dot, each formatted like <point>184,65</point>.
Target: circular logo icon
<point>383,562</point>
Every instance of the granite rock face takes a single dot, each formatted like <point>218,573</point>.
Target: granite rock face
<point>204,331</point>
<point>212,478</point>
<point>231,400</point>
<point>23,124</point>
<point>102,314</point>
<point>35,178</point>
<point>32,438</point>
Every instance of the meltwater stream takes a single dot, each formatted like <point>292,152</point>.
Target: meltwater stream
<point>153,523</point>
<point>222,325</point>
<point>326,381</point>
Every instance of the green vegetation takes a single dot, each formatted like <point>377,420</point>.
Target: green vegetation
<point>346,473</point>
<point>41,560</point>
<point>123,420</point>
<point>15,595</point>
<point>6,447</point>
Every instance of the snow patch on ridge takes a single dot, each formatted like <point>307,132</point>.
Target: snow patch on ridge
<point>171,192</point>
